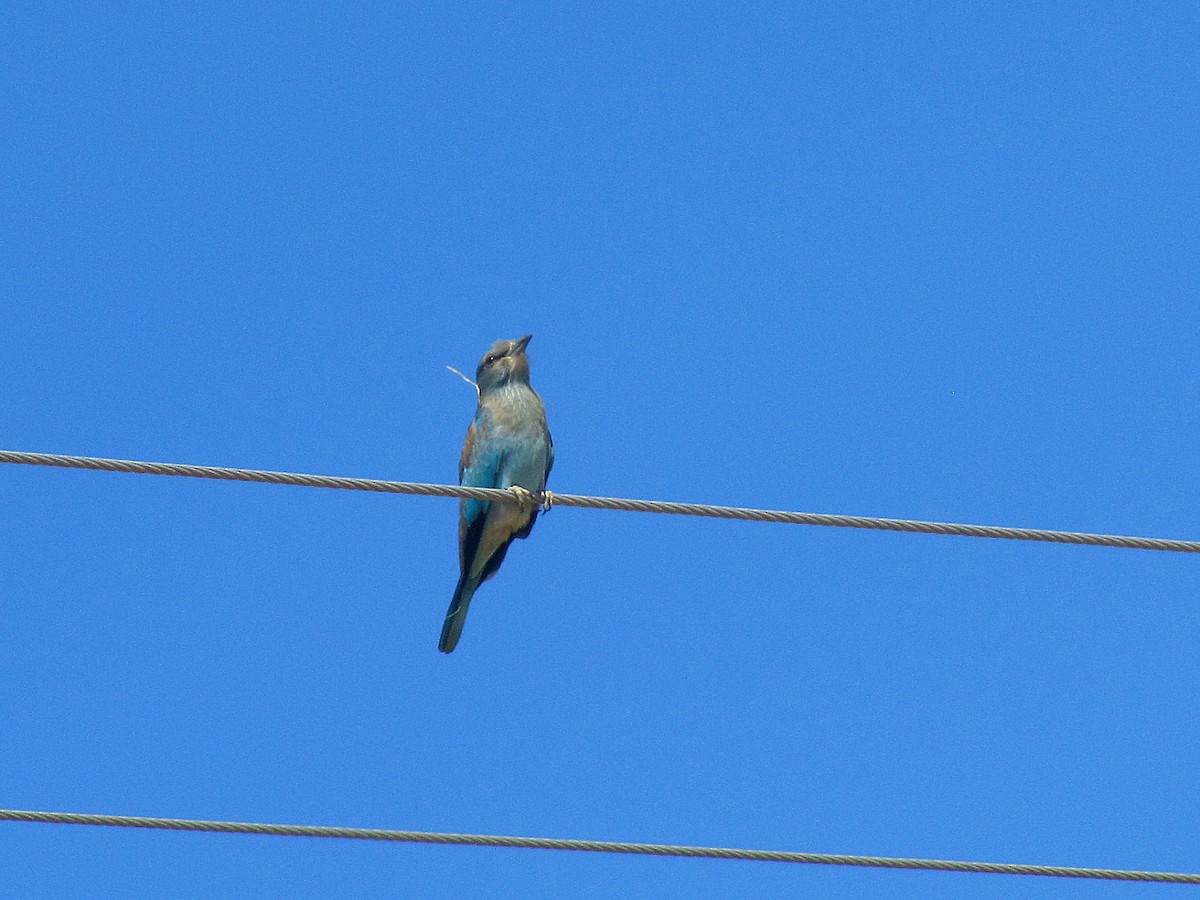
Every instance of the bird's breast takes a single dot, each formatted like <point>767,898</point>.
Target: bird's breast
<point>515,427</point>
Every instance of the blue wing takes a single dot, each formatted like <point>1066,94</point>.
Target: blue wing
<point>479,466</point>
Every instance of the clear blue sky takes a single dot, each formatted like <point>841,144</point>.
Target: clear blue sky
<point>919,261</point>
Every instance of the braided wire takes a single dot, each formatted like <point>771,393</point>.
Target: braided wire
<point>493,840</point>
<point>612,503</point>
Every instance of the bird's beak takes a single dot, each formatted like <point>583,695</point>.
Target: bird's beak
<point>521,342</point>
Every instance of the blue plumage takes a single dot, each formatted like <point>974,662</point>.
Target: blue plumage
<point>507,445</point>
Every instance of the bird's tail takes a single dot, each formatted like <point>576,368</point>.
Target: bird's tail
<point>456,615</point>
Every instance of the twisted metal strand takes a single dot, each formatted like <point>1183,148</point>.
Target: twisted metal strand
<point>491,840</point>
<point>613,503</point>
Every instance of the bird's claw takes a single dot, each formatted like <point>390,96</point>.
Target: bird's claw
<point>524,498</point>
<point>547,500</point>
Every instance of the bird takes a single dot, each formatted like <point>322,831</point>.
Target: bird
<point>508,446</point>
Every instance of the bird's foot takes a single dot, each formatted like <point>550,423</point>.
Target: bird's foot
<point>524,498</point>
<point>547,500</point>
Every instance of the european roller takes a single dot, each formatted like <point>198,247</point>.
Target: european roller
<point>507,446</point>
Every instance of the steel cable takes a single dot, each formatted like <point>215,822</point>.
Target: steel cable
<point>612,503</point>
<point>492,840</point>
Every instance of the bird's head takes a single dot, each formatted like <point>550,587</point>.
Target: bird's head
<point>504,361</point>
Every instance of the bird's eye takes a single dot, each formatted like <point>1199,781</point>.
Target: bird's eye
<point>490,358</point>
